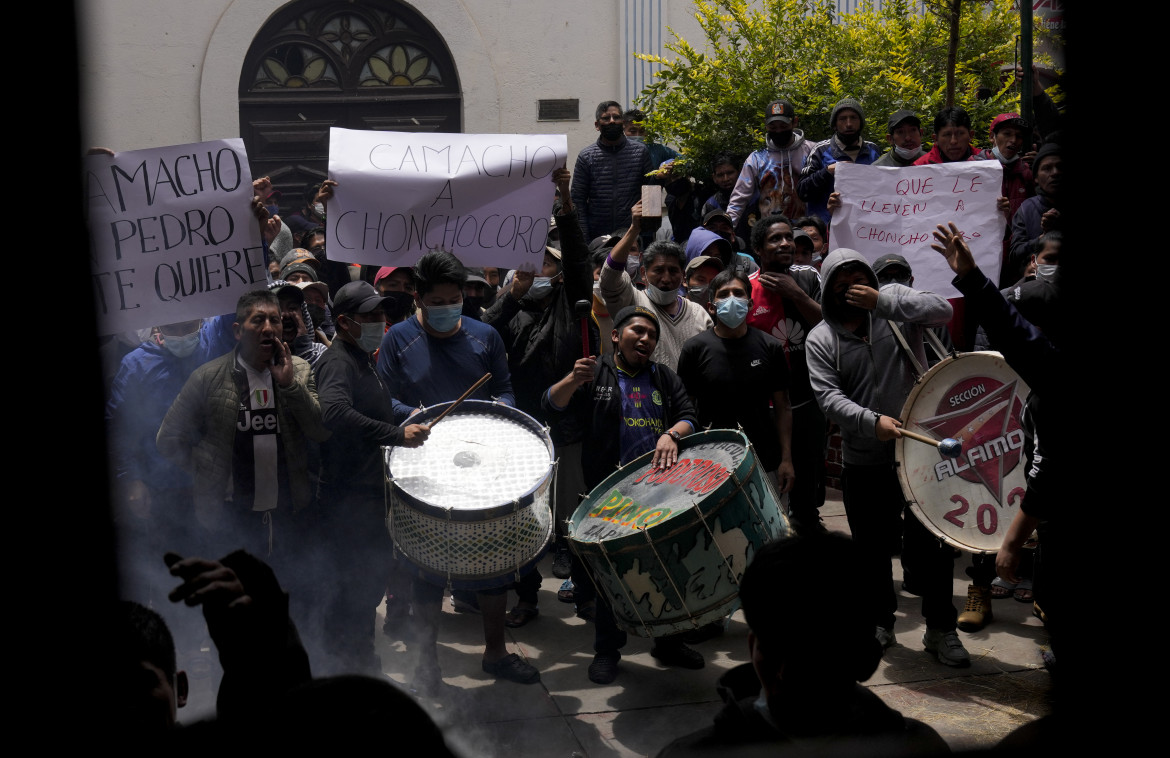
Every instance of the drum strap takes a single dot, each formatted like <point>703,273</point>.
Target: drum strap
<point>937,345</point>
<point>919,370</point>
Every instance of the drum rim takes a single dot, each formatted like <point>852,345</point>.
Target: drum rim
<point>469,407</point>
<point>899,444</point>
<point>658,531</point>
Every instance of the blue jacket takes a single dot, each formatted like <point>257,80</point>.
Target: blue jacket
<point>148,381</point>
<point>816,183</point>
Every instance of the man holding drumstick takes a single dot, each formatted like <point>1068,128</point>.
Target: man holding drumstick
<point>432,358</point>
<point>630,406</point>
<point>861,378</point>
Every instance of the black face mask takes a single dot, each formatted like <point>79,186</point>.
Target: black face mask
<point>397,305</point>
<point>698,294</point>
<point>611,131</point>
<point>317,313</point>
<point>849,139</point>
<point>780,139</point>
<point>472,305</point>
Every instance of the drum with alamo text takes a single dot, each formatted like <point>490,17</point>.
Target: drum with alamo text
<point>968,501</point>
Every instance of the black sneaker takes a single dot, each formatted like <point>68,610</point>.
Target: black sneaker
<point>514,669</point>
<point>562,567</point>
<point>604,668</point>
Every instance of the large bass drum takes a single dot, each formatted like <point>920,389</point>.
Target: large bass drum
<point>469,509</point>
<point>668,547</point>
<point>968,501</point>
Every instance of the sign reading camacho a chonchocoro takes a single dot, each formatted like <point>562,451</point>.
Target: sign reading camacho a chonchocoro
<point>968,501</point>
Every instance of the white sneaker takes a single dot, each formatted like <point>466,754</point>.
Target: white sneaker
<point>946,647</point>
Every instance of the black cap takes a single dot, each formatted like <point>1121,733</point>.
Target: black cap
<point>800,234</point>
<point>779,110</point>
<point>287,290</point>
<point>356,297</point>
<point>715,213</point>
<point>891,259</point>
<point>627,313</point>
<point>902,116</point>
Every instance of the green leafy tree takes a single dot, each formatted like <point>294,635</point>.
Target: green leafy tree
<point>709,100</point>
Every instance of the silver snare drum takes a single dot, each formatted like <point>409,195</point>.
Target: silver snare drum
<point>469,509</point>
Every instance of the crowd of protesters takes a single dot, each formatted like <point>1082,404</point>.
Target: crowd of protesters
<point>262,430</point>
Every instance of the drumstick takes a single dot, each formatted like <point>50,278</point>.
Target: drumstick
<point>462,397</point>
<point>949,447</point>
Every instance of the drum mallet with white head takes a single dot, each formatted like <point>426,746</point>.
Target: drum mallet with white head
<point>949,447</point>
<point>582,309</point>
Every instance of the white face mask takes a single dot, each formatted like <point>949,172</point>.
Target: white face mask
<point>660,296</point>
<point>181,346</point>
<point>906,153</point>
<point>1005,161</point>
<point>371,337</point>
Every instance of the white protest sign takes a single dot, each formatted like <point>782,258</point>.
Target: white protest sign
<point>172,235</point>
<point>895,210</point>
<point>487,198</point>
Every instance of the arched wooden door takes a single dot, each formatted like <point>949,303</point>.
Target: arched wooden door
<point>316,64</point>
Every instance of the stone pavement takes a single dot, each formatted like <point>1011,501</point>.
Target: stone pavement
<point>650,705</point>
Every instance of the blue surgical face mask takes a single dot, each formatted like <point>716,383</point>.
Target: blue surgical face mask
<point>181,346</point>
<point>731,311</point>
<point>371,337</point>
<point>443,318</point>
<point>542,287</point>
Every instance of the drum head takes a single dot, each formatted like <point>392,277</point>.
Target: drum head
<point>968,501</point>
<point>481,457</point>
<point>638,497</point>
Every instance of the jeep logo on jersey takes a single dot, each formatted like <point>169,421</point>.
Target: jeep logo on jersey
<point>263,421</point>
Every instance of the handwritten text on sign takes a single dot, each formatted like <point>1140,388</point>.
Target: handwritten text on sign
<point>172,233</point>
<point>895,210</point>
<point>485,197</point>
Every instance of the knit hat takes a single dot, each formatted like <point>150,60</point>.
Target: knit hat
<point>1046,150</point>
<point>848,104</point>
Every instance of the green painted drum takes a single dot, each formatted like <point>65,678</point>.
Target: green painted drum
<point>668,547</point>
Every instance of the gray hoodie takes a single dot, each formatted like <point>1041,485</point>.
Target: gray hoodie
<point>856,375</point>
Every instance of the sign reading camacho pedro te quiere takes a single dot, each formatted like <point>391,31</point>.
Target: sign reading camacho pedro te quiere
<point>172,235</point>
<point>485,197</point>
<point>895,210</point>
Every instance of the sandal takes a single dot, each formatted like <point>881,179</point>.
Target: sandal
<point>1023,591</point>
<point>518,617</point>
<point>567,593</point>
<point>1001,588</point>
